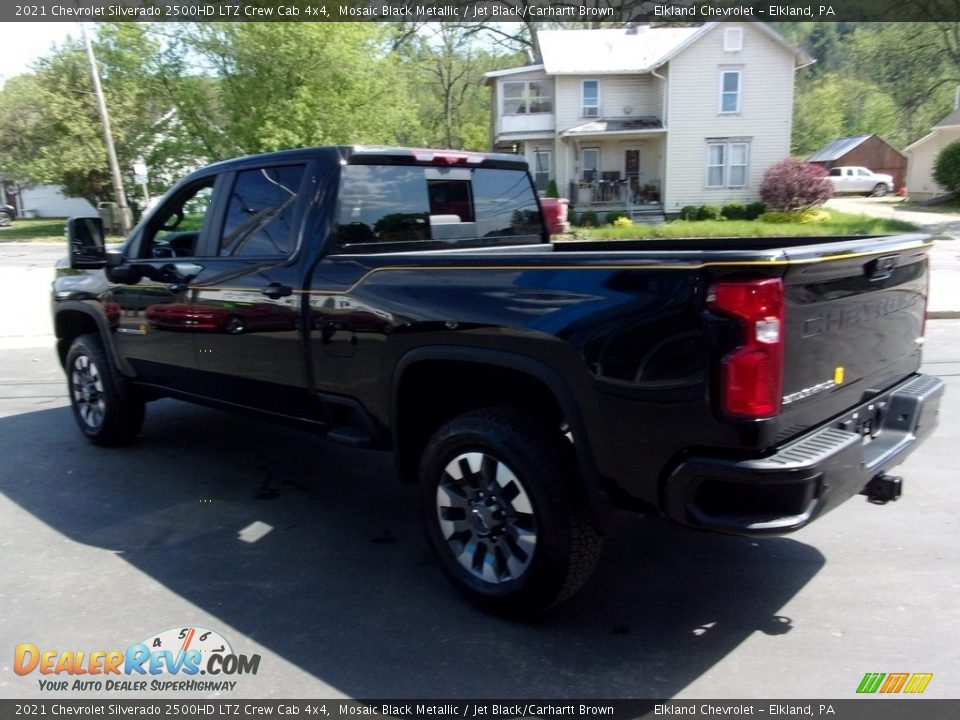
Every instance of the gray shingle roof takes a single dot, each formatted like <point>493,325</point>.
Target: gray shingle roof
<point>838,148</point>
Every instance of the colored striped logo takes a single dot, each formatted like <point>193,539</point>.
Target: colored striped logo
<point>890,683</point>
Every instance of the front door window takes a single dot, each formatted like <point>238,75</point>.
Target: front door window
<point>589,164</point>
<point>541,169</point>
<point>631,170</point>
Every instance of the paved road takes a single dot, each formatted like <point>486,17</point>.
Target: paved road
<point>26,271</point>
<point>311,555</point>
<point>944,300</point>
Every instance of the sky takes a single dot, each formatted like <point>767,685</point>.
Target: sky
<point>23,42</point>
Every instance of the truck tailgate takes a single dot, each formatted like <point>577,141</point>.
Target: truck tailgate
<point>853,327</point>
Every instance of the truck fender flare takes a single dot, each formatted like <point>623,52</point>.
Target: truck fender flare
<point>538,371</point>
<point>103,329</point>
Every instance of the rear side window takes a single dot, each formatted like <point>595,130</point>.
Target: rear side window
<point>382,204</point>
<point>260,212</point>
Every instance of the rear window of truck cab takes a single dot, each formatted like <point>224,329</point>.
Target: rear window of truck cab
<point>381,205</point>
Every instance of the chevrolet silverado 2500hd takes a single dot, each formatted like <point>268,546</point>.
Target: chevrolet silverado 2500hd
<point>411,300</point>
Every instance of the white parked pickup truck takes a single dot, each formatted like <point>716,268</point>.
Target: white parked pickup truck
<point>860,180</point>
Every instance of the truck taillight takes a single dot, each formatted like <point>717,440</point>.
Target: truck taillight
<point>449,157</point>
<point>752,374</point>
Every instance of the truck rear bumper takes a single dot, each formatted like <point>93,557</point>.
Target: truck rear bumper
<point>809,476</point>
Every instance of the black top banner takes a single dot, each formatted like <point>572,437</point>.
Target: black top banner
<point>601,11</point>
<point>330,709</point>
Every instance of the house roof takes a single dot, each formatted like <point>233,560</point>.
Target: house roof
<point>951,120</point>
<point>633,50</point>
<point>838,148</point>
<point>513,71</point>
<point>592,52</point>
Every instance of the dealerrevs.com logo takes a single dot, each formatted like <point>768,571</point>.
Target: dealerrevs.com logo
<point>893,683</point>
<point>167,661</point>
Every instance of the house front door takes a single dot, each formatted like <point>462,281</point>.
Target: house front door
<point>631,171</point>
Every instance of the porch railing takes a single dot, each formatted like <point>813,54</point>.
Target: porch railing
<point>615,192</point>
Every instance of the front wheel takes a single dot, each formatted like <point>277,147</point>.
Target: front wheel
<point>5,219</point>
<point>879,190</point>
<point>107,412</point>
<point>504,512</point>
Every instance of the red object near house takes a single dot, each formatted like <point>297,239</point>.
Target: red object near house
<point>555,214</point>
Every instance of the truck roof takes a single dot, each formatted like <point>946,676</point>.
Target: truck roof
<point>384,155</point>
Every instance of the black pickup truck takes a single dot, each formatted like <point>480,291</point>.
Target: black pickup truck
<point>411,300</point>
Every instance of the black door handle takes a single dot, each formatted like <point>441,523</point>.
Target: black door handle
<point>329,328</point>
<point>275,291</point>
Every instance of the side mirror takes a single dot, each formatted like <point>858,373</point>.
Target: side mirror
<point>85,240</point>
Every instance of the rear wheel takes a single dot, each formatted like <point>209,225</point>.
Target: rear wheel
<point>504,512</point>
<point>107,412</point>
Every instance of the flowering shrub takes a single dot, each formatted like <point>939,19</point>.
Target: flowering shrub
<point>794,185</point>
<point>622,222</point>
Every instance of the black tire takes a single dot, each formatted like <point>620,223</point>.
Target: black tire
<point>879,190</point>
<point>517,503</point>
<point>5,219</point>
<point>108,413</point>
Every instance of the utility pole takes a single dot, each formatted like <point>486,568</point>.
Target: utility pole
<point>125,217</point>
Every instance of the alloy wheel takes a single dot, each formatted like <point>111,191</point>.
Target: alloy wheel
<point>86,386</point>
<point>486,517</point>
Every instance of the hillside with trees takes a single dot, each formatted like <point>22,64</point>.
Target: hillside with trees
<point>892,79</point>
<point>182,95</point>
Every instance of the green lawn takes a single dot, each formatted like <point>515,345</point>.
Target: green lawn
<point>39,230</point>
<point>43,230</point>
<point>837,224</point>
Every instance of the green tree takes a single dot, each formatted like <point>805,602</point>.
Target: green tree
<point>912,64</point>
<point>50,129</point>
<point>834,106</point>
<point>946,168</point>
<point>445,65</point>
<point>282,85</point>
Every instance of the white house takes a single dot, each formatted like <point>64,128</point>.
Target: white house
<point>922,154</point>
<point>650,119</point>
<point>42,201</point>
<point>49,201</point>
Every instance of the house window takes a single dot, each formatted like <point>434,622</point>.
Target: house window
<point>527,97</point>
<point>591,98</point>
<point>733,39</point>
<point>728,163</point>
<point>541,169</point>
<point>730,82</point>
<point>716,164</point>
<point>737,167</point>
<point>589,164</point>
